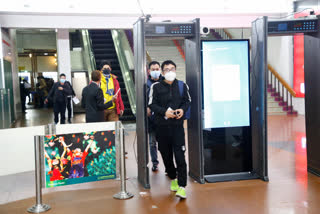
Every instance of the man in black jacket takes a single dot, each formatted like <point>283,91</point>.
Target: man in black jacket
<point>155,76</point>
<point>59,92</point>
<point>169,104</point>
<point>93,100</point>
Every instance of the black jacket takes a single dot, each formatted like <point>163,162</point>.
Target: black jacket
<point>162,96</point>
<point>59,95</point>
<point>72,91</point>
<point>93,102</point>
<point>151,123</point>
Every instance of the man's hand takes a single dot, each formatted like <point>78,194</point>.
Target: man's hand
<point>60,88</point>
<point>46,101</point>
<point>170,114</point>
<point>179,113</point>
<point>114,98</point>
<point>148,111</point>
<point>121,112</point>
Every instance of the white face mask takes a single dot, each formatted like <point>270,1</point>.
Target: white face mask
<point>170,76</point>
<point>155,74</point>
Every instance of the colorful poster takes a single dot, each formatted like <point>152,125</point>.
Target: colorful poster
<point>79,158</point>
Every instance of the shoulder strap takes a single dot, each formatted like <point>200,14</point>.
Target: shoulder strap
<point>180,84</point>
<point>149,83</point>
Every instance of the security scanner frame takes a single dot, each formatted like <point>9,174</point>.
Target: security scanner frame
<point>258,150</point>
<point>190,31</point>
<point>261,28</point>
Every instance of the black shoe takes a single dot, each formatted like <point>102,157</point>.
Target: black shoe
<point>155,168</point>
<point>69,121</point>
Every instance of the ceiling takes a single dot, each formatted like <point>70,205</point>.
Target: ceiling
<point>134,7</point>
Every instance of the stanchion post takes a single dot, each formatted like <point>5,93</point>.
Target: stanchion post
<point>2,108</point>
<point>50,129</point>
<point>123,194</point>
<point>38,207</point>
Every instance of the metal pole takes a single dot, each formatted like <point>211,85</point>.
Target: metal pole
<point>9,107</point>
<point>291,107</point>
<point>287,99</point>
<point>123,194</point>
<point>38,207</point>
<point>2,108</point>
<point>50,129</point>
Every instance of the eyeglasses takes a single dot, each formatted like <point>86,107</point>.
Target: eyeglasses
<point>172,69</point>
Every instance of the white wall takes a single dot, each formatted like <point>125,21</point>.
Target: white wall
<point>280,57</point>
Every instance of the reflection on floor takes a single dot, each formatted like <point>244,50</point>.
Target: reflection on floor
<point>43,116</point>
<point>290,190</point>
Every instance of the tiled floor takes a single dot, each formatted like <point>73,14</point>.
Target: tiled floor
<point>291,189</point>
<point>44,116</point>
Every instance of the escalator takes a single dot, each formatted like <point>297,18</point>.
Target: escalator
<point>103,49</point>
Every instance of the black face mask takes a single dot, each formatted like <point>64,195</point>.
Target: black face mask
<point>106,71</point>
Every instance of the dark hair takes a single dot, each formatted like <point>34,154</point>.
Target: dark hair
<point>95,75</point>
<point>168,62</point>
<point>104,62</point>
<point>62,75</point>
<point>154,63</point>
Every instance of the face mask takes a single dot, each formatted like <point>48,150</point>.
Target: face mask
<point>155,74</point>
<point>62,80</point>
<point>170,76</point>
<point>106,71</point>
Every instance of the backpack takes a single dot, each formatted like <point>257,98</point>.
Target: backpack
<point>181,89</point>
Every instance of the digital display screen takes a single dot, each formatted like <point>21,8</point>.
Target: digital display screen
<point>283,27</point>
<point>299,24</point>
<point>225,78</point>
<point>160,29</point>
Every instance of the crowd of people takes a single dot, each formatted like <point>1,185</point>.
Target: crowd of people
<point>168,104</point>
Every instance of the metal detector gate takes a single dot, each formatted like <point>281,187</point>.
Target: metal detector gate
<point>261,28</point>
<point>191,32</point>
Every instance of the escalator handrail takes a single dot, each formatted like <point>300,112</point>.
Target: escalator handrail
<point>121,44</point>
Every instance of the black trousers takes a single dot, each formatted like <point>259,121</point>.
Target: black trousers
<point>171,143</point>
<point>69,107</point>
<point>23,104</point>
<point>59,108</point>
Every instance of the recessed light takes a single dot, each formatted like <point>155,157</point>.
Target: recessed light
<point>46,54</point>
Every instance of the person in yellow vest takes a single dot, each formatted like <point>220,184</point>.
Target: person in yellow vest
<point>110,87</point>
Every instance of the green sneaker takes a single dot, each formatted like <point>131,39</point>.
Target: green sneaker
<point>174,185</point>
<point>181,192</point>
